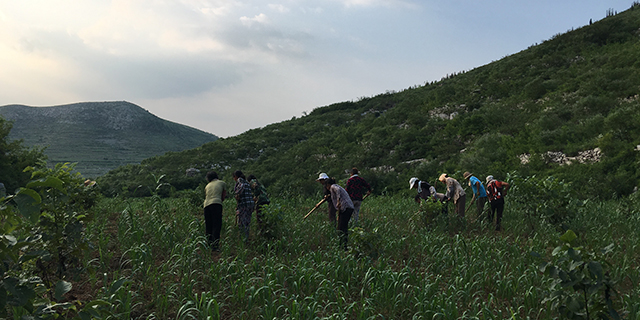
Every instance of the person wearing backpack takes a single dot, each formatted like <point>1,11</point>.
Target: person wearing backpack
<point>425,190</point>
<point>260,198</point>
<point>496,191</point>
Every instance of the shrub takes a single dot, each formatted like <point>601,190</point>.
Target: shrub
<point>581,287</point>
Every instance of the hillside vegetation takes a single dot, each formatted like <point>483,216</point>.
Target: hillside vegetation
<point>99,136</point>
<point>574,94</point>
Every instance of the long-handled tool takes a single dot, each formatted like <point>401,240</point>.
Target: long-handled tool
<point>316,207</point>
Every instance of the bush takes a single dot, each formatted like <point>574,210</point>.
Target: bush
<point>581,287</point>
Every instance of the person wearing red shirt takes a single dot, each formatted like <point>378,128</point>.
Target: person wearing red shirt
<point>356,187</point>
<point>496,191</point>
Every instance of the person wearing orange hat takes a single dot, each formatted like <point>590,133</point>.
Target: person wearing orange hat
<point>455,193</point>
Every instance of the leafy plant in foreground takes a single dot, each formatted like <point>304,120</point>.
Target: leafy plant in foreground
<point>62,213</point>
<point>23,293</point>
<point>581,287</point>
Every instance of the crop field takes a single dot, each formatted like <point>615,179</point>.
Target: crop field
<point>150,261</point>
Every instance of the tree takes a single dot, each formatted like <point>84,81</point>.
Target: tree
<point>14,157</point>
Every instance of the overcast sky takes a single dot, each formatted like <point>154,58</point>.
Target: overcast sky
<point>226,66</point>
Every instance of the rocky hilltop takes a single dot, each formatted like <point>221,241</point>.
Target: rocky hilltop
<point>99,136</point>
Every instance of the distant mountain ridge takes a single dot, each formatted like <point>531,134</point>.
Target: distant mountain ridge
<point>100,136</point>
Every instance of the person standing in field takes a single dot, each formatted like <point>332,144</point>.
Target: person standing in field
<point>245,204</point>
<point>496,191</point>
<point>478,190</point>
<point>215,193</point>
<point>322,178</point>
<point>343,204</point>
<point>356,187</point>
<point>260,197</point>
<point>455,193</point>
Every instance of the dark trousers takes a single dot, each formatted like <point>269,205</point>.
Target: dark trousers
<point>497,206</point>
<point>213,224</point>
<point>343,226</point>
<point>480,202</point>
<point>459,205</point>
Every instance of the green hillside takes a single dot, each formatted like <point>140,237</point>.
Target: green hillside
<point>99,136</point>
<point>571,99</point>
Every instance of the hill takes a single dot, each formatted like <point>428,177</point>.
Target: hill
<point>99,136</point>
<point>571,99</point>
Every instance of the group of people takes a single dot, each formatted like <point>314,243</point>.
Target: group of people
<point>250,196</point>
<point>344,203</point>
<point>493,192</point>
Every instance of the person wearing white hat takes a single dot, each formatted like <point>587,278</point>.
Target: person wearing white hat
<point>454,192</point>
<point>322,178</point>
<point>343,204</point>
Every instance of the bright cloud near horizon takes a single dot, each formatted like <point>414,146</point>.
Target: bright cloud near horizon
<point>227,66</point>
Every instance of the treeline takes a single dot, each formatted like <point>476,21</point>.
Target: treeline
<point>571,99</point>
<point>14,157</point>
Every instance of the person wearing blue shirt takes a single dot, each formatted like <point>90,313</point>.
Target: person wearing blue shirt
<point>479,193</point>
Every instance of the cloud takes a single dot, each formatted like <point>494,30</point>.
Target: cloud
<point>377,3</point>
<point>279,8</point>
<point>261,18</point>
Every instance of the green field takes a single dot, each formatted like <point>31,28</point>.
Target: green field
<point>395,268</point>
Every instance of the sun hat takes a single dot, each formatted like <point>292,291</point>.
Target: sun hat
<point>467,174</point>
<point>412,181</point>
<point>443,177</point>
<point>489,178</point>
<point>322,176</point>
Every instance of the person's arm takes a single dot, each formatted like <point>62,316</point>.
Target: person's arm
<point>505,187</point>
<point>224,194</point>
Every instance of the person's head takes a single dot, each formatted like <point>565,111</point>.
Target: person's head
<point>489,178</point>
<point>443,177</point>
<point>212,175</point>
<point>413,182</point>
<point>329,182</point>
<point>467,175</point>
<point>354,170</point>
<point>237,175</point>
<point>252,177</point>
<point>322,178</point>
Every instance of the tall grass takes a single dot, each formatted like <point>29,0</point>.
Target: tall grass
<point>396,268</point>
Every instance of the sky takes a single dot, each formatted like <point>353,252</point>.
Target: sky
<point>227,66</point>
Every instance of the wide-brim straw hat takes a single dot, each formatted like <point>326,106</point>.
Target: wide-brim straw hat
<point>467,174</point>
